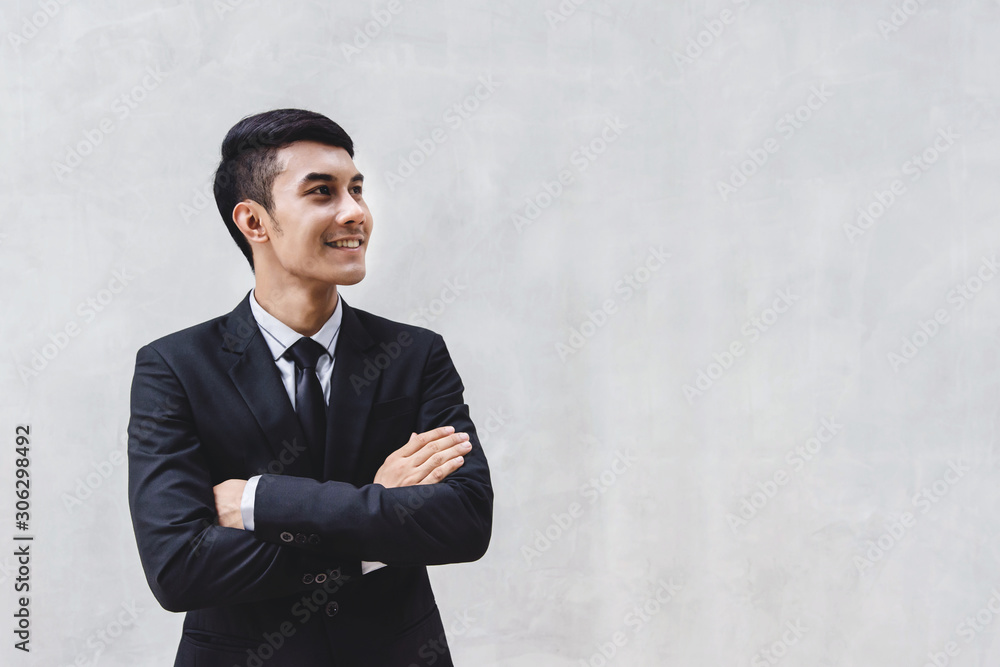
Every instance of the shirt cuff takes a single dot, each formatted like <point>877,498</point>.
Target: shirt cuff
<point>370,566</point>
<point>246,502</point>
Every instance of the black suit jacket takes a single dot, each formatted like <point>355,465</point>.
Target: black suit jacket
<point>208,405</point>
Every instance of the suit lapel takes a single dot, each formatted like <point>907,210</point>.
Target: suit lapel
<point>351,395</point>
<point>259,382</point>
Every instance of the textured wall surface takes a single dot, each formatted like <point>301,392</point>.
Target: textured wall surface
<point>721,279</point>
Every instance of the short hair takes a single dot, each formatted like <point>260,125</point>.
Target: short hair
<point>249,159</point>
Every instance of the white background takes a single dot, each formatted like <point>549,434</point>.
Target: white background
<point>700,492</point>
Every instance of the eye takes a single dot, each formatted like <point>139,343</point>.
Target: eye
<point>323,190</point>
<point>356,190</point>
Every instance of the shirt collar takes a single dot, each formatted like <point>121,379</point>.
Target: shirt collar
<point>280,336</point>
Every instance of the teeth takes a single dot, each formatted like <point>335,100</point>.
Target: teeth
<point>350,243</point>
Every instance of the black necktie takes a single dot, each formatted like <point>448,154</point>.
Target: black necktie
<point>309,404</point>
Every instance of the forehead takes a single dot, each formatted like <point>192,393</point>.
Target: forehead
<point>303,157</point>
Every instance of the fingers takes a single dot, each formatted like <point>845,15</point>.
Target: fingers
<point>417,441</point>
<point>437,446</point>
<point>443,470</point>
<point>427,458</point>
<point>442,463</point>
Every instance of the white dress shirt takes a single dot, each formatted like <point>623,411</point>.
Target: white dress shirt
<point>279,337</point>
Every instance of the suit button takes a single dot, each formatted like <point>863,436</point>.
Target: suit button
<point>332,608</point>
<point>286,537</point>
<point>307,579</point>
<point>314,539</point>
<point>320,578</point>
<point>300,538</point>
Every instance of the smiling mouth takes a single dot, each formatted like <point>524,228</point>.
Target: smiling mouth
<point>349,243</point>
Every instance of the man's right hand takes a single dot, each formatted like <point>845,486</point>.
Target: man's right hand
<point>427,458</point>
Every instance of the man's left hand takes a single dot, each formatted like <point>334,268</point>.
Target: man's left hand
<point>228,497</point>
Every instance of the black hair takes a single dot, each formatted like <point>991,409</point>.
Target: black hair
<point>249,159</point>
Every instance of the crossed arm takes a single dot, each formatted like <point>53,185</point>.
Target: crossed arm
<point>430,523</point>
<point>430,503</point>
<point>427,458</point>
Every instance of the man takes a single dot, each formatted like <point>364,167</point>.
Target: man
<point>296,464</point>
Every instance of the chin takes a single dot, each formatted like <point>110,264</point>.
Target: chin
<point>353,278</point>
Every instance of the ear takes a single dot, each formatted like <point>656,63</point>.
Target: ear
<point>249,217</point>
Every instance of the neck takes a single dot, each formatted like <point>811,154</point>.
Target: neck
<point>305,309</point>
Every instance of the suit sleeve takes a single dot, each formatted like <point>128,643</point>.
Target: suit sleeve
<point>191,562</point>
<point>433,524</point>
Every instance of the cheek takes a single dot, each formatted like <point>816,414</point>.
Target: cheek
<point>294,243</point>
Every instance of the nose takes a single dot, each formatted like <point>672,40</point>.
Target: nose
<point>350,211</point>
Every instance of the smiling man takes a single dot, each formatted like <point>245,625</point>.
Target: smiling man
<point>296,464</point>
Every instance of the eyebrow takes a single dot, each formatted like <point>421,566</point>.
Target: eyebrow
<point>327,178</point>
